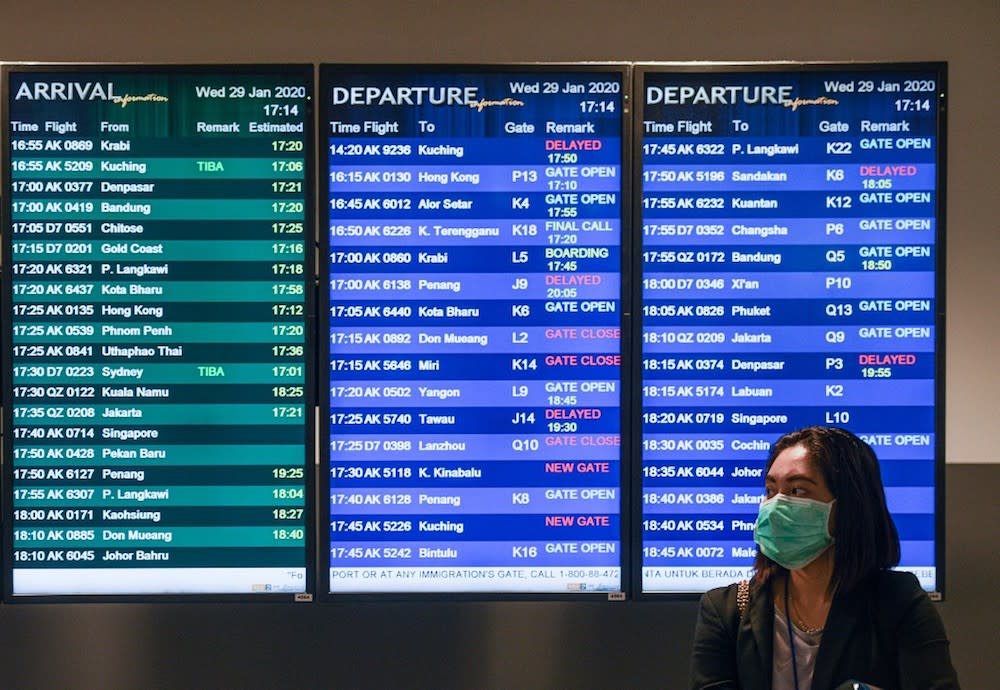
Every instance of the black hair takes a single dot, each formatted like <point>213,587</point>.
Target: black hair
<point>865,537</point>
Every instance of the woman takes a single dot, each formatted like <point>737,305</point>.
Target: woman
<point>824,606</point>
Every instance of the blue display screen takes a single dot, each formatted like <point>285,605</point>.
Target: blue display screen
<point>790,228</point>
<point>474,318</point>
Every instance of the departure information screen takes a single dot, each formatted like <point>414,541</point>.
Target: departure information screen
<point>158,240</point>
<point>474,324</point>
<point>790,241</point>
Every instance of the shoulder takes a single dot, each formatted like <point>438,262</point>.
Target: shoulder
<point>889,585</point>
<point>720,595</point>
<point>899,580</point>
<point>898,588</point>
<point>722,601</point>
<point>910,625</point>
<point>903,603</point>
<point>718,609</point>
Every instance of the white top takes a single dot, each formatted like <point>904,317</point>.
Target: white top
<point>806,647</point>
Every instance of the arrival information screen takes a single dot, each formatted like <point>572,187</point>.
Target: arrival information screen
<point>158,243</point>
<point>474,324</point>
<point>788,228</point>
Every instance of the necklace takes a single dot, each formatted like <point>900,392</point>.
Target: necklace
<point>799,623</point>
<point>805,628</point>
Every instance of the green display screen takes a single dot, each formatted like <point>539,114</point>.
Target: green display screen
<point>158,290</point>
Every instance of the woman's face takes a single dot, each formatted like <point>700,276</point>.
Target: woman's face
<point>792,473</point>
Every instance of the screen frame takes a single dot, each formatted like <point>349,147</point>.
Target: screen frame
<point>326,72</point>
<point>303,71</point>
<point>633,76</point>
<point>640,71</point>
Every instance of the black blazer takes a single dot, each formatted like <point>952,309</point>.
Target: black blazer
<point>885,632</point>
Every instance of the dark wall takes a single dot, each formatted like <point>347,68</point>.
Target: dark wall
<point>965,33</point>
<point>447,644</point>
<point>537,645</point>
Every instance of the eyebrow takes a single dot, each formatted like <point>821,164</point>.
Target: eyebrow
<point>791,478</point>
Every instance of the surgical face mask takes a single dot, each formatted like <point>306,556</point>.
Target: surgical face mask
<point>793,531</point>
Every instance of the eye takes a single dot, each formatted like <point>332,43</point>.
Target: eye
<point>798,491</point>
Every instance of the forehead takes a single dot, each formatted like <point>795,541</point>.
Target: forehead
<point>794,462</point>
